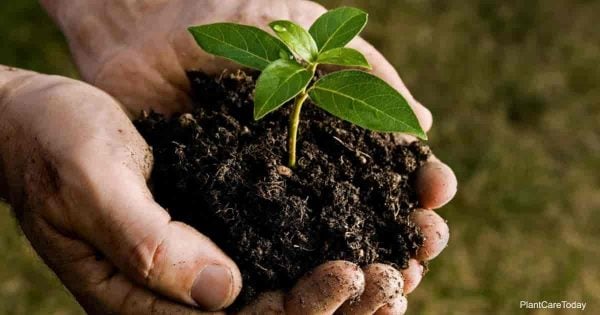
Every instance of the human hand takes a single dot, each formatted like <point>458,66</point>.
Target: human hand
<point>74,169</point>
<point>139,54</point>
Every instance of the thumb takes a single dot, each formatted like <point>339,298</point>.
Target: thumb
<point>109,205</point>
<point>138,236</point>
<point>94,281</point>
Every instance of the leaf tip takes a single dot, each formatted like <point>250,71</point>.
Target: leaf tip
<point>422,135</point>
<point>355,9</point>
<point>258,115</point>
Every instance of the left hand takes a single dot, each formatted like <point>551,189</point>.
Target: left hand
<point>139,51</point>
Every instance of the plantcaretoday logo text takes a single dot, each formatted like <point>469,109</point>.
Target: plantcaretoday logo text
<point>553,305</point>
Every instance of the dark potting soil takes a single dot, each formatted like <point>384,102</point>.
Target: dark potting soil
<point>224,174</point>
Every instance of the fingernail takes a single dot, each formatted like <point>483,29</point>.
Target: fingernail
<point>212,288</point>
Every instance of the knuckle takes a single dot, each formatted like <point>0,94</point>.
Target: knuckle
<point>146,258</point>
<point>343,275</point>
<point>384,282</point>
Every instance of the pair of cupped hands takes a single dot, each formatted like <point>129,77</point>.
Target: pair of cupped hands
<point>75,169</point>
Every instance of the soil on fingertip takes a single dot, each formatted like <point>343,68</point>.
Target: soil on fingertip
<point>224,173</point>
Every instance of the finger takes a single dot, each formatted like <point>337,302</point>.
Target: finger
<point>396,307</point>
<point>325,289</point>
<point>412,275</point>
<point>383,69</point>
<point>436,184</point>
<point>97,284</point>
<point>270,303</point>
<point>383,285</point>
<point>435,233</point>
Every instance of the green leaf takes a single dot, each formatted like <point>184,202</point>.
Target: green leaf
<point>338,27</point>
<point>344,57</point>
<point>279,83</point>
<point>367,101</point>
<point>297,39</point>
<point>246,45</point>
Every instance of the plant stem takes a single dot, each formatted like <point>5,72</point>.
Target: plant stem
<point>295,120</point>
<point>293,128</point>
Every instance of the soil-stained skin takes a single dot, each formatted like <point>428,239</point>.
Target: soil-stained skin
<point>224,173</point>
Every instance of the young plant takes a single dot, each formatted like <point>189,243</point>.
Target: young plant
<point>289,63</point>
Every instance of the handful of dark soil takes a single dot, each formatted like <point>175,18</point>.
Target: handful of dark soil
<point>223,173</point>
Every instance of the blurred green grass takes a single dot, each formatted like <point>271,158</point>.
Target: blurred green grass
<point>514,87</point>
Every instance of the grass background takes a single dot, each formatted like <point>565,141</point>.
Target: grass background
<point>514,87</point>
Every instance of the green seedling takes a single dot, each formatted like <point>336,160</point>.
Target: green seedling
<point>288,64</point>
